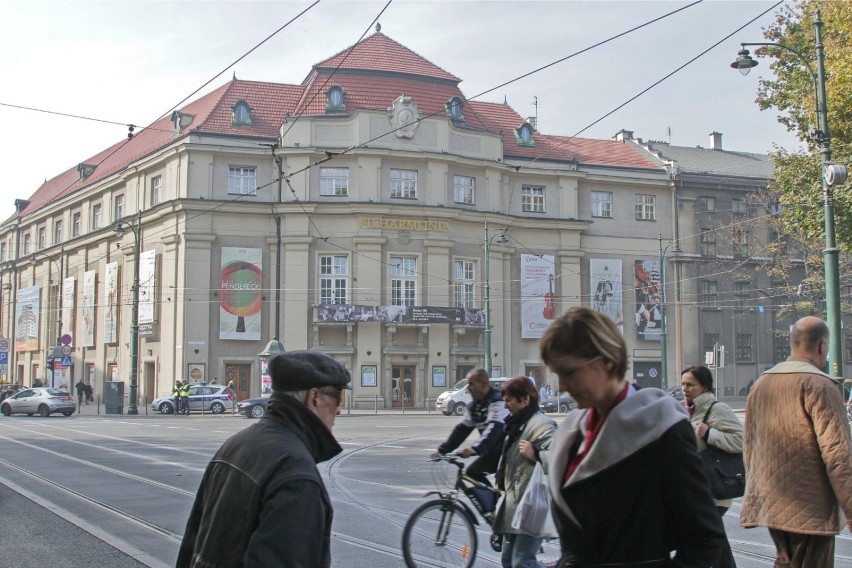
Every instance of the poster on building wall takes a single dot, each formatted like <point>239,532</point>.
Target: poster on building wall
<point>111,303</point>
<point>27,311</point>
<point>400,314</point>
<point>69,296</point>
<point>538,294</point>
<point>87,330</point>
<point>648,306</point>
<point>240,296</point>
<point>147,283</point>
<point>605,286</point>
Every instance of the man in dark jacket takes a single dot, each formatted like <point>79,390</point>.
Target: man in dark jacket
<point>486,413</point>
<point>262,501</point>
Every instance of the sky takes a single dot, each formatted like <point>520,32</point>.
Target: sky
<point>131,61</point>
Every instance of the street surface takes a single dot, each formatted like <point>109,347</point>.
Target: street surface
<point>97,490</point>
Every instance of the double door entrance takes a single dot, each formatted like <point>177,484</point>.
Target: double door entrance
<point>241,375</point>
<point>403,386</point>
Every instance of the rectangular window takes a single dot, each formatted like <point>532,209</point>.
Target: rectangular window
<point>334,181</point>
<point>743,347</point>
<point>27,243</point>
<point>242,181</point>
<point>76,224</point>
<point>532,199</point>
<point>334,279</point>
<point>403,280</point>
<point>118,208</point>
<point>3,252</point>
<point>464,190</point>
<point>42,237</point>
<point>740,243</point>
<point>646,207</point>
<point>709,294</point>
<point>708,242</point>
<point>738,206</point>
<point>403,183</point>
<point>156,189</point>
<point>848,344</point>
<point>602,204</point>
<point>96,217</point>
<point>781,345</point>
<point>58,235</point>
<point>464,283</point>
<point>707,203</point>
<point>742,294</point>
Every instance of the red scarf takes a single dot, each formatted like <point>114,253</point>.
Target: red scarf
<point>594,423</point>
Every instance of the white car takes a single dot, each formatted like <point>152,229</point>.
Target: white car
<point>203,398</point>
<point>455,400</point>
<point>41,401</point>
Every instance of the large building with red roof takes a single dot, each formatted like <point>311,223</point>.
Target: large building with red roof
<point>372,212</point>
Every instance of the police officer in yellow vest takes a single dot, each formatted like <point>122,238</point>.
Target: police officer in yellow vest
<point>184,398</point>
<point>176,393</point>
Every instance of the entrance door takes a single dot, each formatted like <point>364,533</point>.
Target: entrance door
<point>149,382</point>
<point>241,375</point>
<point>402,385</point>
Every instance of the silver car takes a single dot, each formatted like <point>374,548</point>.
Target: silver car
<point>41,401</point>
<point>208,398</point>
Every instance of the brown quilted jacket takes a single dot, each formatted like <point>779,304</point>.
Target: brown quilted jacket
<point>798,452</point>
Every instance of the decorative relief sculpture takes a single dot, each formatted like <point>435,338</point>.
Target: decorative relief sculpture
<point>404,117</point>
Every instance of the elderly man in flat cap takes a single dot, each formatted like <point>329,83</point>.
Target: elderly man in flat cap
<point>262,501</point>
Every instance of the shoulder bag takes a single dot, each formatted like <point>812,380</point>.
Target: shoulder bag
<point>725,471</point>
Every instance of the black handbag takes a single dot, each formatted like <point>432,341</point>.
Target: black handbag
<point>725,471</point>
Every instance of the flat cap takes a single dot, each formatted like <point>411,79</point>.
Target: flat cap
<point>303,370</point>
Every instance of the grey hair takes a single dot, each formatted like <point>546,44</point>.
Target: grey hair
<point>301,396</point>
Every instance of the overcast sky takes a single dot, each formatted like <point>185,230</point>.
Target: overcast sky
<point>132,61</point>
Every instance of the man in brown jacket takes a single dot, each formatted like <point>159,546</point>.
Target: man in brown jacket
<point>798,453</point>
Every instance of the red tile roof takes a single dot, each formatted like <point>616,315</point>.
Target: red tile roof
<point>601,152</point>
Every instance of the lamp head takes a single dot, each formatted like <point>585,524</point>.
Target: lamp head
<point>502,238</point>
<point>744,62</point>
<point>118,228</point>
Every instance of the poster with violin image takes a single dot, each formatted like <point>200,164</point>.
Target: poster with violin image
<point>539,286</point>
<point>648,302</point>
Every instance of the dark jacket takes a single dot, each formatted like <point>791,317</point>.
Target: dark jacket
<point>639,493</point>
<point>488,415</point>
<point>262,501</point>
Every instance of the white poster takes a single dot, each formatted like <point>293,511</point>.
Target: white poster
<point>538,294</point>
<point>69,291</point>
<point>605,284</point>
<point>147,288</point>
<point>111,303</point>
<point>88,329</point>
<point>27,318</point>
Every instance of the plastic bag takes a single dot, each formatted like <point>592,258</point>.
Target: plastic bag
<point>532,515</point>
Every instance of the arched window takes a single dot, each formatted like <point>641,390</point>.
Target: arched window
<point>454,108</point>
<point>241,114</point>
<point>524,135</point>
<point>336,99</point>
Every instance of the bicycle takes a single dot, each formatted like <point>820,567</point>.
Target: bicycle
<point>442,532</point>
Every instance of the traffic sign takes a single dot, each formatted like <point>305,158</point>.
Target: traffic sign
<point>4,344</point>
<point>66,350</point>
<point>4,358</point>
<point>66,339</point>
<point>66,360</point>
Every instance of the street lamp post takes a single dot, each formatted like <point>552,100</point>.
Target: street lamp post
<point>132,408</point>
<point>56,354</point>
<point>487,340</point>
<point>833,174</point>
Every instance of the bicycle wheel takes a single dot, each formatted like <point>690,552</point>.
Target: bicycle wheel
<point>549,552</point>
<point>439,533</point>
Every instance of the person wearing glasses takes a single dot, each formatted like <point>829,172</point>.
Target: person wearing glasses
<point>262,501</point>
<point>626,479</point>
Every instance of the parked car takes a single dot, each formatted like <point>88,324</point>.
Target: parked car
<point>562,404</point>
<point>676,393</point>
<point>207,398</point>
<point>253,407</point>
<point>42,400</point>
<point>456,399</point>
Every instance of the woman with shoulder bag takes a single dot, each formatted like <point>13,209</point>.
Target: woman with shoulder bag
<point>715,424</point>
<point>528,432</point>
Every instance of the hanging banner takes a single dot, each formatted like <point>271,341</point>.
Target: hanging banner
<point>538,295</point>
<point>240,296</point>
<point>27,310</point>
<point>111,303</point>
<point>605,284</point>
<point>69,293</point>
<point>147,288</point>
<point>401,314</point>
<point>647,285</point>
<point>88,328</point>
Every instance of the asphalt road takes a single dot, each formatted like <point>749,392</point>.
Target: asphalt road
<point>95,490</point>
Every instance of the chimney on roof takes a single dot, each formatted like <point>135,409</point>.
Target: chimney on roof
<point>715,140</point>
<point>623,135</point>
<point>532,121</point>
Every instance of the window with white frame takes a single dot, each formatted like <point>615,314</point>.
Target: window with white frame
<point>403,280</point>
<point>96,216</point>
<point>334,279</point>
<point>707,203</point>
<point>709,294</point>
<point>464,283</point>
<point>58,234</point>
<point>738,206</point>
<point>3,251</point>
<point>532,198</point>
<point>76,224</point>
<point>27,243</point>
<point>602,204</point>
<point>42,237</point>
<point>334,181</point>
<point>403,183</point>
<point>646,207</point>
<point>156,190</point>
<point>464,190</point>
<point>242,180</point>
<point>118,208</point>
<point>708,242</point>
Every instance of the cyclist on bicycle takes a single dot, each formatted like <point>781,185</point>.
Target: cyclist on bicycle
<point>486,413</point>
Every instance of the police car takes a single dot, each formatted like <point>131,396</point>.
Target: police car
<point>207,398</point>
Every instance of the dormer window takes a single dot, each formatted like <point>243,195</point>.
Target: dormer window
<point>241,114</point>
<point>85,170</point>
<point>181,120</point>
<point>336,99</point>
<point>454,108</point>
<point>524,135</point>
